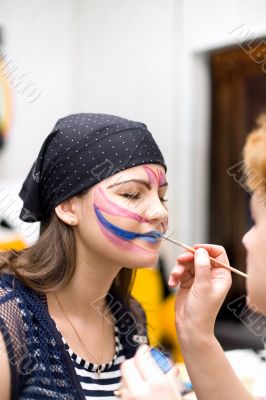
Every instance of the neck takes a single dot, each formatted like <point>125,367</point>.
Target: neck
<point>88,287</point>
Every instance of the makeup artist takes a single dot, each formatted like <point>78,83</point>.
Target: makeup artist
<point>67,319</point>
<point>202,289</point>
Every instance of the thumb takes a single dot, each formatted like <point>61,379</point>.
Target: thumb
<point>202,268</point>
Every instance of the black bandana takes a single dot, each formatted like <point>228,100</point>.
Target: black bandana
<point>82,150</point>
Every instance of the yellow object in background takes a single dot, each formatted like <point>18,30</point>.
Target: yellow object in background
<point>167,315</point>
<point>148,290</point>
<point>12,241</point>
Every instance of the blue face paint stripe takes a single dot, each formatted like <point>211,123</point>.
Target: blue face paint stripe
<point>151,236</point>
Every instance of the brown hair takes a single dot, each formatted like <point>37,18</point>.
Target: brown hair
<point>255,156</point>
<point>49,264</point>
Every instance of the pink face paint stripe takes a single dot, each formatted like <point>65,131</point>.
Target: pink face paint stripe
<point>123,244</point>
<point>106,205</point>
<point>162,178</point>
<point>153,178</point>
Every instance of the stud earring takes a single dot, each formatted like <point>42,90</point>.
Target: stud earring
<point>72,220</point>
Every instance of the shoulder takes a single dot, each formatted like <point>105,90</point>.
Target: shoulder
<point>15,320</point>
<point>10,324</point>
<point>18,325</point>
<point>5,376</point>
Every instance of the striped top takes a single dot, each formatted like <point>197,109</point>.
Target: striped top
<point>99,386</point>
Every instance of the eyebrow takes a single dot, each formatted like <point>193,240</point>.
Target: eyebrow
<point>141,181</point>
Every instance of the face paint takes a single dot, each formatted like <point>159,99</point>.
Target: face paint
<point>124,244</point>
<point>118,236</point>
<point>155,177</point>
<point>162,179</point>
<point>106,205</point>
<point>150,236</point>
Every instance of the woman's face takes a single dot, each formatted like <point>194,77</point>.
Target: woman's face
<point>121,207</point>
<point>254,242</point>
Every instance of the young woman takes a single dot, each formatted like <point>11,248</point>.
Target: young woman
<point>201,291</point>
<point>66,316</point>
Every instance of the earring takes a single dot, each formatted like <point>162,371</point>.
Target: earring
<point>72,220</point>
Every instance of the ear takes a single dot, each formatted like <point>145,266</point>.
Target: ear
<point>66,211</point>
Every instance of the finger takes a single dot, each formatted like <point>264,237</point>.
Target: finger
<point>146,364</point>
<point>179,268</point>
<point>122,393</point>
<point>131,377</point>
<point>176,274</point>
<point>172,377</point>
<point>179,273</point>
<point>174,371</point>
<point>185,257</point>
<point>214,251</point>
<point>187,282</point>
<point>219,253</point>
<point>202,268</point>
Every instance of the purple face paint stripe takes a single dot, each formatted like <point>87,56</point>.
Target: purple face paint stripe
<point>122,233</point>
<point>114,209</point>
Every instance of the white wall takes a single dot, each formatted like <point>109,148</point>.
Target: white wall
<point>38,40</point>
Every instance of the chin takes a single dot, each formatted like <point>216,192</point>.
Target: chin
<point>256,305</point>
<point>142,261</point>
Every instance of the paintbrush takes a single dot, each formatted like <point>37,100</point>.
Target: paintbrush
<point>192,250</point>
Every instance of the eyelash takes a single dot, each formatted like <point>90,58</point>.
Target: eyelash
<point>137,197</point>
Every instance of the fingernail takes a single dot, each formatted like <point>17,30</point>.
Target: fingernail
<point>201,252</point>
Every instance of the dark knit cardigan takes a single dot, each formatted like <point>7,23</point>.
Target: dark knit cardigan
<point>39,363</point>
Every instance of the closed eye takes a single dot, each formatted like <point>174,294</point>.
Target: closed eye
<point>131,196</point>
<point>137,196</point>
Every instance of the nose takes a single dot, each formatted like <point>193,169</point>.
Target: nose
<point>245,239</point>
<point>155,213</point>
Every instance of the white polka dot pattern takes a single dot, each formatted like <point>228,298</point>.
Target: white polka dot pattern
<point>82,150</point>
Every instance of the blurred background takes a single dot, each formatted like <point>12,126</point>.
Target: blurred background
<point>193,71</point>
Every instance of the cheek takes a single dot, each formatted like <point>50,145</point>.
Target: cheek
<point>254,242</point>
<point>88,226</point>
